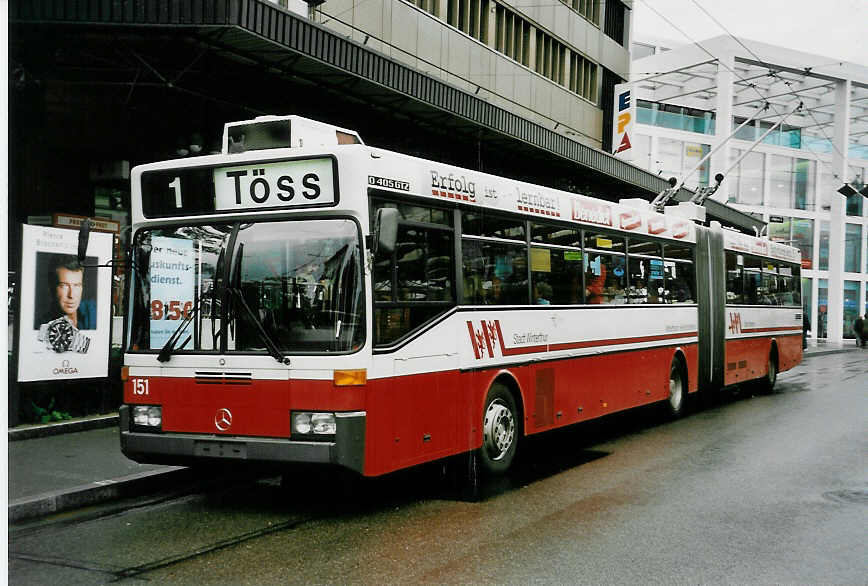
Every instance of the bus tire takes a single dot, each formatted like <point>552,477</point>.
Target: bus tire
<point>500,430</point>
<point>677,400</point>
<point>766,384</point>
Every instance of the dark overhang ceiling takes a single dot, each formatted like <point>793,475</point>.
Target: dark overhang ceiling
<point>254,56</point>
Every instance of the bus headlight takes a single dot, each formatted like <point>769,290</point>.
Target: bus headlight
<point>314,425</point>
<point>148,416</point>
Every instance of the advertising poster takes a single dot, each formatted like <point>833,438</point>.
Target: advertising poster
<point>64,329</point>
<point>172,286</point>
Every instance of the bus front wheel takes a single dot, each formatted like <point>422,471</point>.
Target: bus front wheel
<point>499,430</point>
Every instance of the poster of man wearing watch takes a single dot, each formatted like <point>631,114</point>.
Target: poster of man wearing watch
<point>65,309</point>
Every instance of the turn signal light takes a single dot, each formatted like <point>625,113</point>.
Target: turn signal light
<point>347,378</point>
<point>125,373</point>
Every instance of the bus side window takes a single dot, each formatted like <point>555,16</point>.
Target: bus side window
<point>415,282</point>
<point>495,273</point>
<point>770,294</point>
<point>605,279</point>
<point>734,278</point>
<point>753,285</point>
<point>680,276</point>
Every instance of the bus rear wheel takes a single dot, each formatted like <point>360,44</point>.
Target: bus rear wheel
<point>677,389</point>
<point>499,430</point>
<point>767,383</point>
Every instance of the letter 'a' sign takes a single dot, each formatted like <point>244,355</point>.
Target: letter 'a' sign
<point>302,183</point>
<point>622,126</point>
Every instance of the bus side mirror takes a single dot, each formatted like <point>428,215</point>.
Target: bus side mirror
<point>83,237</point>
<point>386,230</point>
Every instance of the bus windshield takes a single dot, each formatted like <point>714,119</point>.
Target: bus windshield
<point>230,287</point>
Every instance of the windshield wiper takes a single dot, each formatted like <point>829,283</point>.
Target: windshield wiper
<point>260,329</point>
<point>169,347</point>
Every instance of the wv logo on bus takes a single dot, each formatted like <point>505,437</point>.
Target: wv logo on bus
<point>485,338</point>
<point>735,323</point>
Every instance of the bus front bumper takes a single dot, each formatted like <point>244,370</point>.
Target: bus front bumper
<point>184,449</point>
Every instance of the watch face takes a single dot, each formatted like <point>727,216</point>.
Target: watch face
<point>60,335</point>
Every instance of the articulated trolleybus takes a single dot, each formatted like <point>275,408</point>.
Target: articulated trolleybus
<point>304,298</point>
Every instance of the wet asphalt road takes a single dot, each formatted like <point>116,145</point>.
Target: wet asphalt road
<point>752,490</point>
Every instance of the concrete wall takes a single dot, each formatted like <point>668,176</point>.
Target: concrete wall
<point>425,42</point>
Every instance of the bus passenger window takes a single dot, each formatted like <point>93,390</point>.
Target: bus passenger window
<point>680,273</point>
<point>753,284</point>
<point>646,280</point>
<point>605,279</point>
<point>556,275</point>
<point>679,282</point>
<point>495,273</point>
<point>771,293</point>
<point>734,279</point>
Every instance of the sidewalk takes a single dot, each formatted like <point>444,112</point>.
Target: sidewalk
<point>74,464</point>
<point>56,467</point>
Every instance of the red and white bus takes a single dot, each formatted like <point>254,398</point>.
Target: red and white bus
<point>303,297</point>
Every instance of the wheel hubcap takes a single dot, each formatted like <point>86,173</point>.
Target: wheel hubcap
<point>675,390</point>
<point>498,429</point>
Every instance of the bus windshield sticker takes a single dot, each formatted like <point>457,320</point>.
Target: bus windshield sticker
<point>572,255</point>
<point>281,184</point>
<point>541,260</point>
<point>604,242</point>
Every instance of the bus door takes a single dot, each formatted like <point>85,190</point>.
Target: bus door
<point>711,294</point>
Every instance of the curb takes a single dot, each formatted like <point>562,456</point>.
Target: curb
<point>49,429</point>
<point>828,351</point>
<point>100,491</point>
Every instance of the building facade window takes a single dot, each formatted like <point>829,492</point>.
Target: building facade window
<point>851,307</point>
<point>675,117</point>
<point>791,182</point>
<point>746,179</point>
<point>590,9</point>
<point>822,308</point>
<point>583,77</point>
<point>798,232</point>
<point>803,239</point>
<point>784,135</point>
<point>855,177</point>
<point>429,6</point>
<point>807,307</point>
<point>676,158</point>
<point>512,35</point>
<point>615,20</point>
<point>468,16</point>
<point>824,245</point>
<point>853,248</point>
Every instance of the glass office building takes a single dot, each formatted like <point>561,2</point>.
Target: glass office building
<point>781,162</point>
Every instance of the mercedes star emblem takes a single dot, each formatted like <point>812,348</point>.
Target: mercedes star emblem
<point>223,419</point>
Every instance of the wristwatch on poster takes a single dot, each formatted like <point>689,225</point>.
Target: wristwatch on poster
<point>61,336</point>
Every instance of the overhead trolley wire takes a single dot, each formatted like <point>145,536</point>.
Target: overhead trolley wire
<point>771,73</point>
